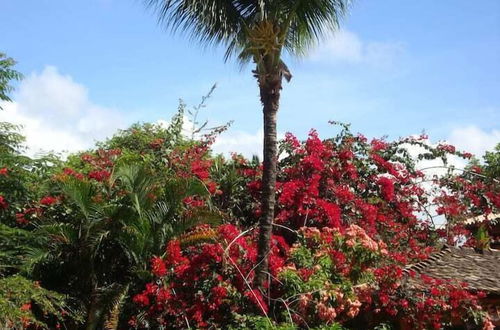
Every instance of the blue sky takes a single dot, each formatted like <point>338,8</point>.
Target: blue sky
<point>396,68</point>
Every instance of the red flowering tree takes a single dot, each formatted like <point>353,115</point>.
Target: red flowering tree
<point>354,213</point>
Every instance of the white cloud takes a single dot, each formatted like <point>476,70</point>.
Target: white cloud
<point>230,141</point>
<point>240,142</point>
<point>344,45</point>
<point>187,126</point>
<point>58,115</point>
<point>431,169</point>
<point>474,140</point>
<point>470,139</point>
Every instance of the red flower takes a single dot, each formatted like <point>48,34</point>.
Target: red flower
<point>3,203</point>
<point>384,299</point>
<point>26,307</point>
<point>212,188</point>
<point>446,147</point>
<point>387,187</point>
<point>158,267</point>
<point>99,175</point>
<point>256,297</point>
<point>73,173</point>
<point>467,155</point>
<point>132,322</point>
<point>48,200</point>
<point>156,143</point>
<point>476,169</point>
<point>191,201</point>
<point>200,169</point>
<point>218,294</point>
<point>292,140</point>
<point>332,211</point>
<point>435,292</point>
<point>378,145</point>
<point>141,299</point>
<point>4,171</point>
<point>346,154</point>
<point>20,219</point>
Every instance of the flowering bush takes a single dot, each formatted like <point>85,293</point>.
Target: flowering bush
<point>351,212</point>
<point>426,306</point>
<point>201,280</point>
<point>327,275</point>
<point>25,304</point>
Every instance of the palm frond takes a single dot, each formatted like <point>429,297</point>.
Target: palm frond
<point>301,23</point>
<point>202,235</point>
<point>138,182</point>
<point>59,233</point>
<point>79,192</point>
<point>211,22</point>
<point>310,21</point>
<point>113,302</point>
<point>97,239</point>
<point>34,257</point>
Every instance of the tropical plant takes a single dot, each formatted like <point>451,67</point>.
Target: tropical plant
<point>7,74</point>
<point>24,303</point>
<point>111,227</point>
<point>492,163</point>
<point>260,31</point>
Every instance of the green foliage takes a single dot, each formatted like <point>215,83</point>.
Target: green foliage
<point>114,305</point>
<point>24,302</point>
<point>11,141</point>
<point>25,178</point>
<point>253,322</point>
<point>302,257</point>
<point>296,25</point>
<point>234,201</point>
<point>383,326</point>
<point>15,248</point>
<point>149,138</point>
<point>482,238</point>
<point>7,74</point>
<point>492,163</point>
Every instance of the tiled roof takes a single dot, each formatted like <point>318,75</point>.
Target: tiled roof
<point>481,270</point>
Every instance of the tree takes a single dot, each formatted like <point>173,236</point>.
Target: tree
<point>112,229</point>
<point>7,74</point>
<point>260,31</point>
<point>111,223</point>
<point>492,162</point>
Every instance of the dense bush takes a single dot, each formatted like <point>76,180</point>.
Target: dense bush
<point>151,230</point>
<point>350,215</point>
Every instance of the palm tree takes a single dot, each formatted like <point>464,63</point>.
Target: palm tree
<point>260,31</point>
<point>106,246</point>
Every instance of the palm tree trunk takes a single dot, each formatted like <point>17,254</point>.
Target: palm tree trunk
<point>270,88</point>
<point>95,312</point>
